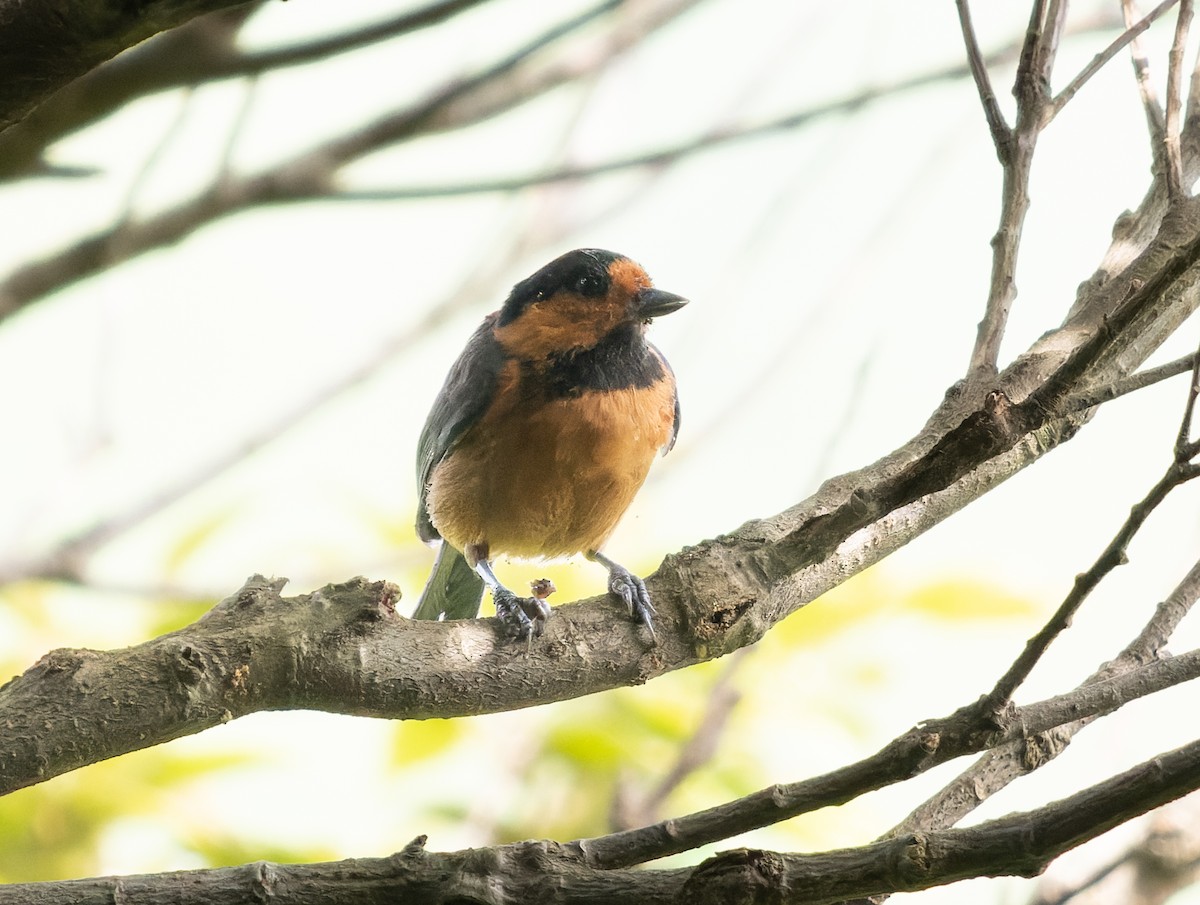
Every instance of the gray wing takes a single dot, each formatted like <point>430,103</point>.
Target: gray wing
<point>465,396</point>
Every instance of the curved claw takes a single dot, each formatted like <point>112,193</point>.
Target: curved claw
<point>632,590</point>
<point>523,618</point>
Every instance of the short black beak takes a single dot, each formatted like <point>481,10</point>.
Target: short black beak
<point>656,302</point>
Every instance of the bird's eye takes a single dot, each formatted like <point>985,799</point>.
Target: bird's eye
<point>587,285</point>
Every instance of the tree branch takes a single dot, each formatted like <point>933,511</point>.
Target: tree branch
<point>1174,154</point>
<point>527,72</point>
<point>1134,382</point>
<point>546,872</point>
<point>42,48</point>
<point>1009,761</point>
<point>1001,131</point>
<point>1127,37</point>
<point>200,51</point>
<point>1032,91</point>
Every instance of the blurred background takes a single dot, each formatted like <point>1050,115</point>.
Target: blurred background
<point>237,261</point>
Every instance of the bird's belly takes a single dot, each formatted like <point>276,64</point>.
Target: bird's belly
<point>550,480</point>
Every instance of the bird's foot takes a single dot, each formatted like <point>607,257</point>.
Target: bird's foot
<point>632,590</point>
<point>522,618</point>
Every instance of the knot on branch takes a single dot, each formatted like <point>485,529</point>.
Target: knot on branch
<point>739,877</point>
<point>912,857</point>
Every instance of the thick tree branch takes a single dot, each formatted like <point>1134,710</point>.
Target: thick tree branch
<point>546,872</point>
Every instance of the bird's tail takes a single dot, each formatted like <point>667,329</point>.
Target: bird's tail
<point>453,590</point>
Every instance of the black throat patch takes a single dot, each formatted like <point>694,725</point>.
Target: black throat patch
<point>622,360</point>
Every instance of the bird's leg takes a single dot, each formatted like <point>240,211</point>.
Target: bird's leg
<point>522,617</point>
<point>630,588</point>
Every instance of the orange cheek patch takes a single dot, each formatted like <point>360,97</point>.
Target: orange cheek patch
<point>557,324</point>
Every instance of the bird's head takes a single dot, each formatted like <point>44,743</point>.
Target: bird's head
<point>577,300</point>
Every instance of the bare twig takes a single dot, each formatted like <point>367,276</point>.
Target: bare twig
<point>931,743</point>
<point>1134,382</point>
<point>1012,760</point>
<point>1173,153</point>
<point>1180,471</point>
<point>1114,555</point>
<point>1032,92</point>
<point>1055,106</point>
<point>525,73</point>
<point>1155,120</point>
<point>1185,450</point>
<point>1001,131</point>
<point>201,51</point>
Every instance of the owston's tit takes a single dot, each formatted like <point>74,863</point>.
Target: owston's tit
<point>542,434</point>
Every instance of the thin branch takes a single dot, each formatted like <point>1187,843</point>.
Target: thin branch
<point>1020,844</point>
<point>517,78</point>
<point>309,176</point>
<point>927,745</point>
<point>1055,106</point>
<point>1115,554</point>
<point>1134,382</point>
<point>203,50</point>
<point>1032,92</point>
<point>1007,762</point>
<point>303,53</point>
<point>1173,153</point>
<point>1155,118</point>
<point>1185,451</point>
<point>1001,132</point>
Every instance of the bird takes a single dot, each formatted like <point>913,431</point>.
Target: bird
<point>541,435</point>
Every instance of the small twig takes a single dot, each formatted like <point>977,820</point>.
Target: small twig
<point>1010,761</point>
<point>1033,39</point>
<point>931,743</point>
<point>1150,103</point>
<point>1032,91</point>
<point>1173,154</point>
<point>1001,131</point>
<point>1055,106</point>
<point>1185,450</point>
<point>1046,25</point>
<point>1133,383</point>
<point>1115,554</point>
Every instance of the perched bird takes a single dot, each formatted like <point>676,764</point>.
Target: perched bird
<point>542,434</point>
